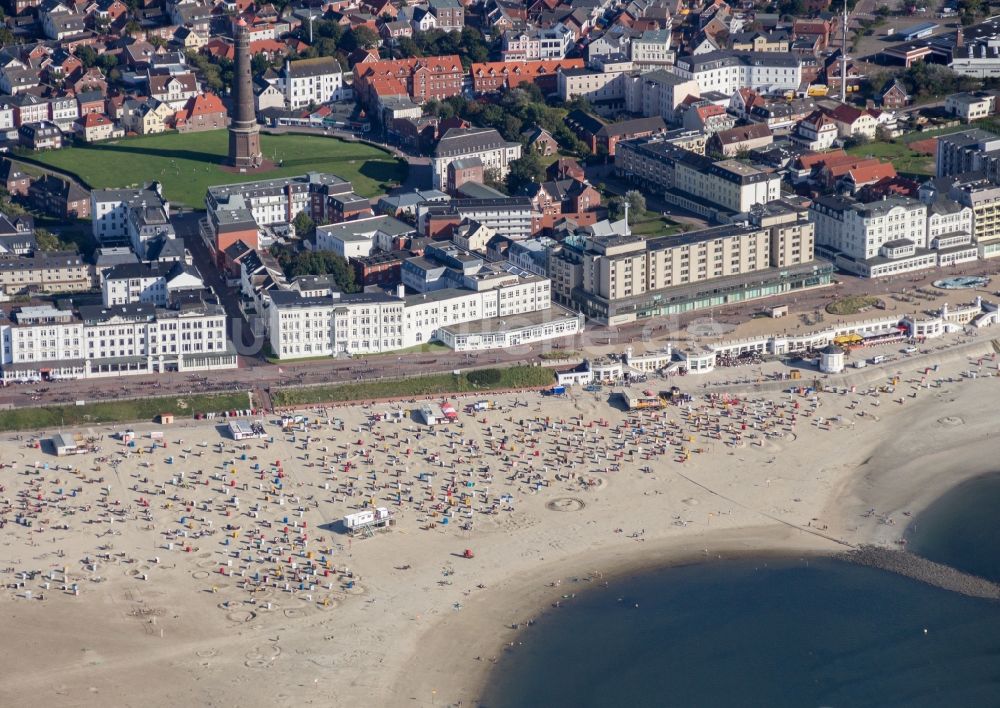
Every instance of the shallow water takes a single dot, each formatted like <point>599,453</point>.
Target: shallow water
<point>962,528</point>
<point>750,633</point>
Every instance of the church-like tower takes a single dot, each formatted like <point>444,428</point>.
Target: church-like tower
<point>244,134</point>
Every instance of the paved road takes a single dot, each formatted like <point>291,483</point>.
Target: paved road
<point>186,226</point>
<point>256,375</point>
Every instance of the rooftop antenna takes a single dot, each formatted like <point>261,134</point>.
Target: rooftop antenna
<point>843,61</point>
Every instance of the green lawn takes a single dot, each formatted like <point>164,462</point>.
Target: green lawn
<point>513,377</point>
<point>145,409</point>
<point>188,164</point>
<point>653,225</point>
<point>902,157</point>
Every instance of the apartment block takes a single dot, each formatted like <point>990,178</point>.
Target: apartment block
<point>486,144</point>
<point>45,272</point>
<point>695,181</point>
<point>507,216</point>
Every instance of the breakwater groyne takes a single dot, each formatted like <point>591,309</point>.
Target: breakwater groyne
<point>924,570</point>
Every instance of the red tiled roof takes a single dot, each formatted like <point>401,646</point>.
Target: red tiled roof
<point>872,173</point>
<point>811,159</point>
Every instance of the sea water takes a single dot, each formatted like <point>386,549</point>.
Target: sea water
<point>961,528</point>
<point>789,632</point>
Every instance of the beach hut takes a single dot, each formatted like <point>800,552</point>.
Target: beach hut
<point>166,418</point>
<point>449,412</point>
<point>430,417</point>
<point>67,444</point>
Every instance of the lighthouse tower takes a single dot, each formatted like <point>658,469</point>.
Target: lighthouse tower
<point>244,134</point>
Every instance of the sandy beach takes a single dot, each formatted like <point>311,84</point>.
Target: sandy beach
<point>274,603</point>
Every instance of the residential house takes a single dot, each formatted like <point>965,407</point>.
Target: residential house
<point>40,136</point>
<point>267,95</point>
<point>971,106</point>
<point>707,118</point>
<point>852,121</point>
<point>29,108</point>
<point>744,138</point>
<point>777,41</point>
<point>816,29</point>
<point>568,198</point>
<point>146,117</point>
<point>449,14</point>
<point>816,132</point>
<point>90,102</point>
<point>12,180</point>
<point>16,76</point>
<point>894,96</point>
<point>92,127</point>
<point>541,141</point>
<point>565,168</point>
<point>60,198</point>
<point>175,90</point>
<point>311,81</point>
<point>202,112</point>
<point>45,272</point>
<point>539,43</point>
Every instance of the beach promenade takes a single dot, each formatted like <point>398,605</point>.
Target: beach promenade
<point>194,567</point>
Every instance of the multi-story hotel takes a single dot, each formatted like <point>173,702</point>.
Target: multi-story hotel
<point>695,181</point>
<point>620,278</point>
<point>94,341</point>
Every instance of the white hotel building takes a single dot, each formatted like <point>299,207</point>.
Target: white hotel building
<point>100,341</point>
<point>372,323</point>
<point>727,71</point>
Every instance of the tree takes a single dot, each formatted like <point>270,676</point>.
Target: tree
<point>636,202</point>
<point>616,208</point>
<point>360,37</point>
<point>295,263</point>
<point>48,241</point>
<point>304,225</point>
<point>524,171</point>
<point>856,141</point>
<point>407,48</point>
<point>491,178</point>
<point>259,64</point>
<point>531,91</point>
<point>106,62</point>
<point>88,56</point>
<point>132,28</point>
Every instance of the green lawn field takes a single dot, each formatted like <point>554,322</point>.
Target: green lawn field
<point>899,153</point>
<point>188,164</point>
<point>143,410</point>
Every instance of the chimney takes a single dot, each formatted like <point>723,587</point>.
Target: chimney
<point>401,291</point>
<point>959,38</point>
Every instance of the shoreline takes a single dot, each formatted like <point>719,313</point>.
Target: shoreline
<point>451,641</point>
<point>405,613</point>
<point>455,642</point>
